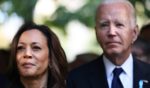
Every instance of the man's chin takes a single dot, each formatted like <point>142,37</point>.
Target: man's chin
<point>112,53</point>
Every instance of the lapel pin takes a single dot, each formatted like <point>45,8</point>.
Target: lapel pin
<point>141,82</point>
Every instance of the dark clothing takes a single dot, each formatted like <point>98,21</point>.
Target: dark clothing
<point>3,81</point>
<point>16,83</point>
<point>92,75</point>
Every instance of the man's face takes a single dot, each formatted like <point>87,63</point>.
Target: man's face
<point>113,29</point>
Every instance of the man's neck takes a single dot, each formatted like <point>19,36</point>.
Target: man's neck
<point>117,60</point>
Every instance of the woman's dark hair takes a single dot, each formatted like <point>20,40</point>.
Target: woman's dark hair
<point>58,63</point>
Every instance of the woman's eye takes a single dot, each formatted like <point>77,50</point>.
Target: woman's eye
<point>36,48</point>
<point>19,48</point>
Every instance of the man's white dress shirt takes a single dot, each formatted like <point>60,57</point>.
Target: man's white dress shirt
<point>126,76</point>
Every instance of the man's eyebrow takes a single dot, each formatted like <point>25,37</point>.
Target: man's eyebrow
<point>102,21</point>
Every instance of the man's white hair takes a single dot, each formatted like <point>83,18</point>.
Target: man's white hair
<point>130,7</point>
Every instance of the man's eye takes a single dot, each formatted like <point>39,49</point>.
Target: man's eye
<point>119,25</point>
<point>104,25</point>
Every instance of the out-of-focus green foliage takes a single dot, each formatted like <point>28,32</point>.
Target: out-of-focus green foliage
<point>85,15</point>
<point>24,9</point>
<point>143,2</point>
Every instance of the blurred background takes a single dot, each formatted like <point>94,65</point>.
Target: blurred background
<point>71,20</point>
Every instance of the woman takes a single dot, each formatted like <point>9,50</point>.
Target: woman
<point>37,59</point>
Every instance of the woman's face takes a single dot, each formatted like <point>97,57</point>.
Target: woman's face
<point>32,54</point>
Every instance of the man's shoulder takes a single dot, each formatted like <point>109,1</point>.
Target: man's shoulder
<point>142,65</point>
<point>87,68</point>
<point>141,73</point>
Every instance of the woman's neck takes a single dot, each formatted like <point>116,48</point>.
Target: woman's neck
<point>35,82</point>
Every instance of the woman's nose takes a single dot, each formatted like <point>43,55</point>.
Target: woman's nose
<point>28,53</point>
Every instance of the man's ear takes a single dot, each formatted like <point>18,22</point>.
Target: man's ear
<point>135,33</point>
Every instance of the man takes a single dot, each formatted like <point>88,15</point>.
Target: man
<point>116,30</point>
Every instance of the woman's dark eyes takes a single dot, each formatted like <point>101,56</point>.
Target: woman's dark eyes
<point>20,48</point>
<point>36,48</point>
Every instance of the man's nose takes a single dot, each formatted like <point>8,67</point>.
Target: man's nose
<point>28,53</point>
<point>112,30</point>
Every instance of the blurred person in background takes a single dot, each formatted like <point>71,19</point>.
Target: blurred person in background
<point>82,59</point>
<point>37,59</point>
<point>4,59</point>
<point>145,32</point>
<point>141,50</point>
<point>145,35</point>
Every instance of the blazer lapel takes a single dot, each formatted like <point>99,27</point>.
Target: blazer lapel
<point>140,72</point>
<point>136,74</point>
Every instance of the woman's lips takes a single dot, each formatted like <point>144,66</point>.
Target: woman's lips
<point>28,65</point>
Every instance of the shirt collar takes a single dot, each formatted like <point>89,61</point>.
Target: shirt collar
<point>127,66</point>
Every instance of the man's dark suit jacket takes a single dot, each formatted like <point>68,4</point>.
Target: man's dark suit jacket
<point>92,75</point>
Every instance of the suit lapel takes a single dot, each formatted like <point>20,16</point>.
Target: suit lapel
<point>140,73</point>
<point>98,79</point>
<point>136,74</point>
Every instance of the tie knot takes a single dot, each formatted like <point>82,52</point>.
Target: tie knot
<point>117,71</point>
